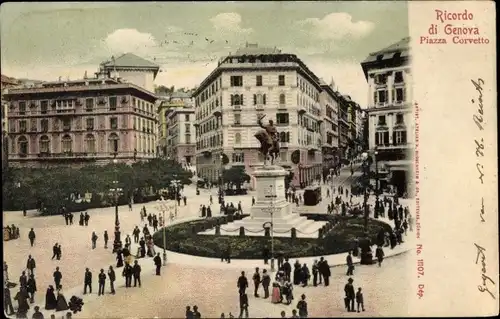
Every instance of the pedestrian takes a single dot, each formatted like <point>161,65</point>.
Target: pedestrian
<point>82,219</point>
<point>94,240</point>
<point>326,273</point>
<point>157,261</point>
<point>127,273</point>
<point>350,265</point>
<point>50,299</point>
<point>128,240</point>
<point>23,279</point>
<point>315,271</point>
<point>242,283</point>
<point>302,307</point>
<point>243,305</point>
<point>31,265</point>
<point>58,252</point>
<point>87,282</point>
<point>349,295</point>
<point>136,232</point>
<point>112,278</point>
<point>196,313</point>
<point>87,218</point>
<point>185,200</point>
<point>266,281</point>
<point>31,288</point>
<point>71,218</point>
<point>37,314</point>
<point>359,299</point>
<point>102,282</point>
<point>7,301</point>
<point>379,253</point>
<point>119,259</point>
<point>287,268</point>
<point>32,236</point>
<point>22,303</point>
<point>137,274</point>
<point>54,251</point>
<point>155,224</point>
<point>256,281</point>
<point>294,314</point>
<point>106,238</point>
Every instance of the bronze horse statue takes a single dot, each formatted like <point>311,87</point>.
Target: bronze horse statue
<point>269,142</point>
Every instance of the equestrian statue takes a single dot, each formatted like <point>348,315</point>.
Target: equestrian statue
<point>269,141</point>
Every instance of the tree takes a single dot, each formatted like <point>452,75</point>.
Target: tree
<point>235,176</point>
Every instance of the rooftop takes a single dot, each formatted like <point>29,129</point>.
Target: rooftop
<point>8,80</point>
<point>180,95</point>
<point>130,60</point>
<point>402,47</point>
<point>254,49</point>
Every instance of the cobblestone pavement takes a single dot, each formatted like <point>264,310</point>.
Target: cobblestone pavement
<point>210,287</point>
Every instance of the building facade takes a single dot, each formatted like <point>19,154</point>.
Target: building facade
<point>259,83</point>
<point>6,83</point>
<point>79,122</point>
<point>390,120</point>
<point>329,127</point>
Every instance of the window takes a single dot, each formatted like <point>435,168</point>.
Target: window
<point>239,157</point>
<point>380,79</point>
<point>400,119</point>
<point>382,138</point>
<point>237,119</point>
<point>284,137</point>
<point>259,99</point>
<point>398,77</point>
<point>45,125</point>
<point>44,144</point>
<point>236,80</point>
<point>282,99</point>
<point>258,80</point>
<point>90,124</point>
<point>134,102</point>
<point>44,106</point>
<point>67,144</point>
<point>90,143</point>
<point>282,118</point>
<point>112,103</point>
<point>89,105</point>
<point>113,142</point>
<point>188,138</point>
<point>22,108</point>
<point>281,80</point>
<point>22,126</point>
<point>22,144</point>
<point>186,117</point>
<point>380,97</point>
<point>66,124</point>
<point>237,138</point>
<point>399,137</point>
<point>400,96</point>
<point>381,120</point>
<point>188,128</point>
<point>236,99</point>
<point>113,123</point>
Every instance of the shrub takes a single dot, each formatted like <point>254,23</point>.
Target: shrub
<point>340,239</point>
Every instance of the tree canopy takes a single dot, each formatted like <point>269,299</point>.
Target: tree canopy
<point>235,176</point>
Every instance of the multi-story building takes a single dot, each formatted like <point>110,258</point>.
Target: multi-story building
<point>77,122</point>
<point>390,120</point>
<point>132,69</point>
<point>180,125</point>
<point>6,83</point>
<point>330,132</point>
<point>246,86</point>
<point>344,127</point>
<point>360,116</point>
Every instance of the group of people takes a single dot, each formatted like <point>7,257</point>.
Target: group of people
<point>11,232</point>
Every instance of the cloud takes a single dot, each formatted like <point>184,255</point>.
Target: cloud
<point>185,75</point>
<point>336,26</point>
<point>129,40</point>
<point>229,22</point>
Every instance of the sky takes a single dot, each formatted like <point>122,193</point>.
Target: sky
<point>43,41</point>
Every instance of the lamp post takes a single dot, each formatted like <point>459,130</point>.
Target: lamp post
<point>366,182</point>
<point>163,207</point>
<point>221,179</point>
<point>117,244</point>
<point>176,184</point>
<point>271,195</point>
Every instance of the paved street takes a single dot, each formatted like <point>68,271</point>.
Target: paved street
<point>212,287</point>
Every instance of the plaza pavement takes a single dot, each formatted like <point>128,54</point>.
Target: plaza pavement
<point>188,279</point>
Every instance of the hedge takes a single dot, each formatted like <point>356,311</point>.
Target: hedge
<point>179,238</point>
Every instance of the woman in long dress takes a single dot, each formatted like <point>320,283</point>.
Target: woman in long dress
<point>276,295</point>
<point>22,303</point>
<point>32,288</point>
<point>50,299</point>
<point>61,301</point>
<point>119,259</point>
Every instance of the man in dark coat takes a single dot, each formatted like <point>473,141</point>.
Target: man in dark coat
<point>106,238</point>
<point>22,302</point>
<point>7,301</point>
<point>87,217</point>
<point>137,274</point>
<point>57,278</point>
<point>31,288</point>
<point>325,272</point>
<point>31,265</point>
<point>209,212</point>
<point>287,268</point>
<point>350,265</point>
<point>136,232</point>
<point>265,256</point>
<point>349,295</point>
<point>297,271</point>
<point>112,278</point>
<point>157,261</point>
<point>127,273</point>
<point>32,236</point>
<point>266,281</point>
<point>87,282</point>
<point>37,314</point>
<point>256,282</point>
<point>102,282</point>
<point>54,251</point>
<point>70,218</point>
<point>242,283</point>
<point>23,280</point>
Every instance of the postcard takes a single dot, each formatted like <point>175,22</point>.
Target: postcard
<point>249,159</point>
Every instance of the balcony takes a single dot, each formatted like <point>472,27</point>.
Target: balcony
<point>302,109</point>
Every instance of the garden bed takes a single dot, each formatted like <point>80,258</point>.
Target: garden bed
<point>182,238</point>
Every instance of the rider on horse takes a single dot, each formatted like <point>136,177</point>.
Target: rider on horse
<point>270,143</point>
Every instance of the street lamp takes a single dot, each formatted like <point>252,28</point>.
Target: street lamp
<point>117,244</point>
<point>176,183</point>
<point>163,207</point>
<point>366,182</point>
<point>271,195</point>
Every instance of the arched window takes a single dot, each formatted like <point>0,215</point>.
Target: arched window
<point>22,145</point>
<point>44,144</point>
<point>67,144</point>
<point>113,142</point>
<point>237,138</point>
<point>90,143</point>
<point>282,99</point>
